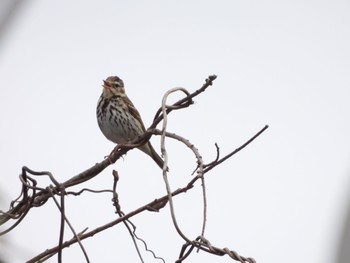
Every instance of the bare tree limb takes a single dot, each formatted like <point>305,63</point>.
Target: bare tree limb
<point>33,195</point>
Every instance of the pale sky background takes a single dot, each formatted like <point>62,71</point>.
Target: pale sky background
<point>282,63</point>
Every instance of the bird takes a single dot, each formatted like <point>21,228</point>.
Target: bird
<point>118,118</point>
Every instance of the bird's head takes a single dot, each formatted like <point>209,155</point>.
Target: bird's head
<point>113,86</point>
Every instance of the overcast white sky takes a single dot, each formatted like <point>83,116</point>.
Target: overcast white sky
<point>282,63</point>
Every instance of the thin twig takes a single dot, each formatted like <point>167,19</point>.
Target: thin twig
<point>88,190</point>
<point>185,102</point>
<point>62,208</point>
<point>214,164</point>
<point>120,212</point>
<point>76,236</point>
<point>128,224</point>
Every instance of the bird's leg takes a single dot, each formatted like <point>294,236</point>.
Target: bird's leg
<point>116,149</point>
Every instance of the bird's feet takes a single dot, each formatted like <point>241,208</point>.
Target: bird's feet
<point>116,149</point>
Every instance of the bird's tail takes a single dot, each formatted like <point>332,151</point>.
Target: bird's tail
<point>148,148</point>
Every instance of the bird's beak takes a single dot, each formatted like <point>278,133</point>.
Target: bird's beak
<point>106,84</point>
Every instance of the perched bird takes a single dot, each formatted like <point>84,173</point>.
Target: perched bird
<point>118,118</point>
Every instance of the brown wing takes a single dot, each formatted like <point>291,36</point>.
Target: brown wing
<point>134,112</point>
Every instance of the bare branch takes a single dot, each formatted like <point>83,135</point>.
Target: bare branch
<point>34,196</point>
<point>156,203</point>
<point>185,102</point>
<point>204,244</point>
<point>213,164</point>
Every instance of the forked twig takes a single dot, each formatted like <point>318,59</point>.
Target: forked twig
<point>211,165</point>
